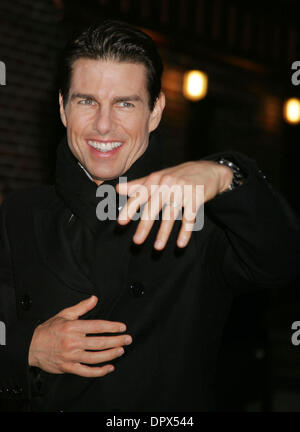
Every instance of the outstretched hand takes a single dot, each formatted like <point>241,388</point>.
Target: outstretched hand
<point>176,188</point>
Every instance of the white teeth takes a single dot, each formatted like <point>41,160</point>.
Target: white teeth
<point>104,146</point>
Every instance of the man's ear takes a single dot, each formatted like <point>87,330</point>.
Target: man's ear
<point>62,110</point>
<point>157,111</point>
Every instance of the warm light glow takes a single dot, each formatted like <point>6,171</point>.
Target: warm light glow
<point>291,111</point>
<point>195,85</point>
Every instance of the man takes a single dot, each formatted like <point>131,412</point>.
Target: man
<point>127,314</point>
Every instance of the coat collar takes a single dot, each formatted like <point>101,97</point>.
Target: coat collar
<point>79,192</point>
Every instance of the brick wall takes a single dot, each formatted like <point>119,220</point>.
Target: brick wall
<point>30,37</point>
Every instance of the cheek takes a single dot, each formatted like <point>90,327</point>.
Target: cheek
<point>78,122</point>
<point>135,126</point>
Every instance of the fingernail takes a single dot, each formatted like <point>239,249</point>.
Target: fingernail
<point>158,244</point>
<point>181,242</point>
<point>122,218</point>
<point>111,368</point>
<point>139,237</point>
<point>122,328</point>
<point>128,340</point>
<point>120,351</point>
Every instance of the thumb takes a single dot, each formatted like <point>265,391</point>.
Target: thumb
<point>129,188</point>
<point>74,312</point>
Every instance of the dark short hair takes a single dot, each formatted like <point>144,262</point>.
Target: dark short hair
<point>117,41</point>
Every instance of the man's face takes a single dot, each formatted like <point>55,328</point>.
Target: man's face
<point>107,116</point>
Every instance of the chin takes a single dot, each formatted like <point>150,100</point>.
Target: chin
<point>105,176</point>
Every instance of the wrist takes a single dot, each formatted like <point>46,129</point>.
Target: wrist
<point>237,176</point>
<point>225,178</point>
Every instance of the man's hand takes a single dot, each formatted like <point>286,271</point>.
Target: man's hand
<point>59,345</point>
<point>169,186</point>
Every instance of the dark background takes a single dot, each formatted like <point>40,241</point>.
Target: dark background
<point>247,49</point>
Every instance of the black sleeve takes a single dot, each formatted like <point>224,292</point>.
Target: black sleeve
<point>257,235</point>
<point>16,334</point>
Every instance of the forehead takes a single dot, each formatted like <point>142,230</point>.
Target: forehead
<point>105,77</point>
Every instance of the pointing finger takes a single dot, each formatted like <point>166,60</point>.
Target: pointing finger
<point>99,326</point>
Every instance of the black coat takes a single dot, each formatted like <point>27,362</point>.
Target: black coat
<point>174,302</point>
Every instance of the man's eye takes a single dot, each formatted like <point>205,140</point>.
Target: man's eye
<point>87,102</point>
<point>126,105</point>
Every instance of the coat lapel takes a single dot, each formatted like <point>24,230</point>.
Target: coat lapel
<point>54,252</point>
<point>109,266</point>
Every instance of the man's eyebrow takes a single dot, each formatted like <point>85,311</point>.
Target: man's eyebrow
<point>131,98</point>
<point>82,96</point>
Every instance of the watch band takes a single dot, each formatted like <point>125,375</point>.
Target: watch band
<point>237,178</point>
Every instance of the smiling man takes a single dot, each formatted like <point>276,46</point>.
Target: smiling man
<point>108,116</point>
<point>127,314</point>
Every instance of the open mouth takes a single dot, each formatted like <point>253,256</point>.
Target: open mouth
<point>105,147</point>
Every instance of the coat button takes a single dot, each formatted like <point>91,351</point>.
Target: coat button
<point>137,289</point>
<point>25,302</point>
<point>262,174</point>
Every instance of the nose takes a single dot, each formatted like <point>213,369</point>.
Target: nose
<point>103,120</point>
